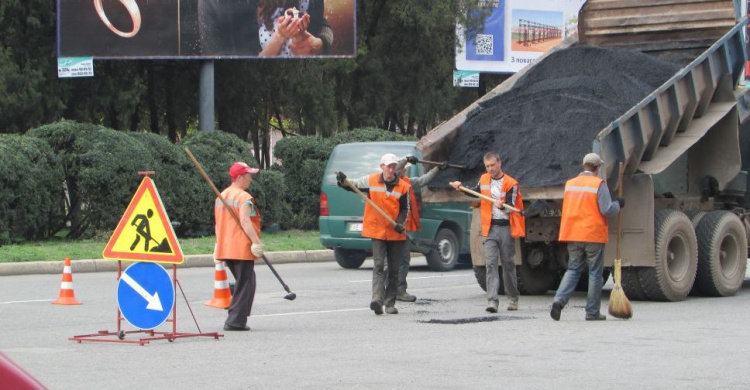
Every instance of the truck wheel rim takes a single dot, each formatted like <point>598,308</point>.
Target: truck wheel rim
<point>677,255</point>
<point>728,256</point>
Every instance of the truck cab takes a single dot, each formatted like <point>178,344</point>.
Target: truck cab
<point>341,211</point>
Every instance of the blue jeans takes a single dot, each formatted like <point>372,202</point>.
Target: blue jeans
<point>594,254</point>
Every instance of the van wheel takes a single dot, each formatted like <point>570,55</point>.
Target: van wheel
<point>349,258</point>
<point>676,258</point>
<point>722,254</point>
<point>446,256</point>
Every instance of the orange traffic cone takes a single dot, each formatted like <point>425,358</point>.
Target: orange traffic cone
<point>67,296</point>
<point>222,295</point>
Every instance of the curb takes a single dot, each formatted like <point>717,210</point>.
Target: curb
<point>191,261</point>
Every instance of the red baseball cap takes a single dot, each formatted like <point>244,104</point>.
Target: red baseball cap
<point>239,169</point>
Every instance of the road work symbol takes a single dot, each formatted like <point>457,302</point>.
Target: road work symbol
<point>145,294</point>
<point>143,229</point>
<point>144,232</point>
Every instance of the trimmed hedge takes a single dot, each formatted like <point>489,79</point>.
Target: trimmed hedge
<point>31,189</point>
<point>98,167</point>
<point>101,167</point>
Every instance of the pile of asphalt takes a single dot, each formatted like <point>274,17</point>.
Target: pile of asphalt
<point>547,122</point>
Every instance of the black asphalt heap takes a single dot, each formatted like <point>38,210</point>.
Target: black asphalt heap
<point>547,122</point>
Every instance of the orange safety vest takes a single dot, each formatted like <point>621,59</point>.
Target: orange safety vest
<point>581,219</point>
<point>517,222</point>
<point>231,241</point>
<point>374,224</point>
<point>412,220</point>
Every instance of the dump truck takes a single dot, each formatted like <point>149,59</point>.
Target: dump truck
<point>685,225</point>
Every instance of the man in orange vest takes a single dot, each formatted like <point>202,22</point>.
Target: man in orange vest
<point>391,194</point>
<point>412,220</point>
<point>586,206</point>
<point>500,227</point>
<point>239,247</point>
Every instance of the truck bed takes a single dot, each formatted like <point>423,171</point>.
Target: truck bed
<point>688,112</point>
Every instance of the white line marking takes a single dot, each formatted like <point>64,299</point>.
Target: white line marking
<point>310,312</point>
<point>419,277</point>
<point>30,301</point>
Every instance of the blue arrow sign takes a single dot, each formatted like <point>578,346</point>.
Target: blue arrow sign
<point>145,294</point>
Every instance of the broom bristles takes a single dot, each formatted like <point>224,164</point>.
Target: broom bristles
<point>619,305</point>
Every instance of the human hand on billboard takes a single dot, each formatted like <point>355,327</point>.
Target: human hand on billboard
<point>305,44</point>
<point>288,26</point>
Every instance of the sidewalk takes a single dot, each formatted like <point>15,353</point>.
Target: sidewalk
<point>102,265</point>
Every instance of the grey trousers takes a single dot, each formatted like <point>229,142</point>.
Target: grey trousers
<point>384,292</point>
<point>244,291</point>
<point>500,245</point>
<point>403,269</point>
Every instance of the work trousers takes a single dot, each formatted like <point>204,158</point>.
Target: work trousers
<point>403,269</point>
<point>499,245</point>
<point>244,291</point>
<point>384,291</point>
<point>580,253</point>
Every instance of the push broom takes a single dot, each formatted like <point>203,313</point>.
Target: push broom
<point>619,305</point>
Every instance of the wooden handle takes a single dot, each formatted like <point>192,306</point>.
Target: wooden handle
<point>487,198</point>
<point>210,183</point>
<point>619,218</point>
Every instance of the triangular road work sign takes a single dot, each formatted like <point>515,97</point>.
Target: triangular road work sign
<point>144,232</point>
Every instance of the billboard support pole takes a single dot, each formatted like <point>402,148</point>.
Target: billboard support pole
<point>206,118</point>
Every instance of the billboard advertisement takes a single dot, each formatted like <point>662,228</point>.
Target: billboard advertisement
<point>515,33</point>
<point>132,29</point>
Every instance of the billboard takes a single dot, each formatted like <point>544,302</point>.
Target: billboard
<point>132,29</point>
<point>515,33</point>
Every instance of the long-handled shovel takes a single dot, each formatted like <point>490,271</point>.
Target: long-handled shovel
<point>439,163</point>
<point>290,295</point>
<point>535,208</point>
<point>485,197</point>
<point>619,305</point>
<point>416,241</point>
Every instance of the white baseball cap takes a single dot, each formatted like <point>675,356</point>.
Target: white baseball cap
<point>593,159</point>
<point>388,159</point>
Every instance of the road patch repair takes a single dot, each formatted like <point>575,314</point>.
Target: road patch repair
<point>545,124</point>
<point>474,320</point>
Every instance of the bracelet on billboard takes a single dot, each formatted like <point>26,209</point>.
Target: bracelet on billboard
<point>135,15</point>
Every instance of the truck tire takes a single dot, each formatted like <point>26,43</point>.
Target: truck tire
<point>349,258</point>
<point>533,281</point>
<point>695,217</point>
<point>480,272</point>
<point>722,254</point>
<point>446,256</point>
<point>583,282</point>
<point>631,284</point>
<point>675,255</point>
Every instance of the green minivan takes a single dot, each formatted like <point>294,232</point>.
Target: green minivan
<point>447,224</point>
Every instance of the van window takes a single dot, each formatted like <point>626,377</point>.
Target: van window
<point>357,160</point>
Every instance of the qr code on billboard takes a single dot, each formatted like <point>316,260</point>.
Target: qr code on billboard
<point>484,44</point>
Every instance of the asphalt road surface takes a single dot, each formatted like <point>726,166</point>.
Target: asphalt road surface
<point>328,338</point>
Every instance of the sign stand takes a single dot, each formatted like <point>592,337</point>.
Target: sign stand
<point>167,251</point>
<point>152,334</point>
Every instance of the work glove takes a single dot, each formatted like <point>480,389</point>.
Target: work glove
<point>412,159</point>
<point>443,166</point>
<point>341,177</point>
<point>399,228</point>
<point>257,249</point>
<point>621,201</point>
